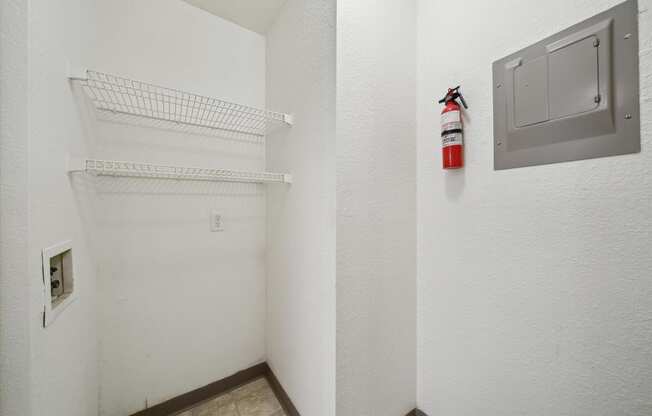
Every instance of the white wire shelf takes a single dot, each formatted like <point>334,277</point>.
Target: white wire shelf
<point>148,170</point>
<point>114,96</point>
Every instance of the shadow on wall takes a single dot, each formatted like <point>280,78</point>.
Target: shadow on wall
<point>455,182</point>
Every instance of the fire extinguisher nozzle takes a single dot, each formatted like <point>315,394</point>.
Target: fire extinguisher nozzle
<point>463,101</point>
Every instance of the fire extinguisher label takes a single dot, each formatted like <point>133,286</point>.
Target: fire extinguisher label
<point>451,139</point>
<point>451,120</point>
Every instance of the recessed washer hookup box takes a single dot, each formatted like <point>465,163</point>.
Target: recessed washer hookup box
<point>574,95</point>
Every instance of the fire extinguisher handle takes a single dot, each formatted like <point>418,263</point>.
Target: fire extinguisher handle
<point>452,95</point>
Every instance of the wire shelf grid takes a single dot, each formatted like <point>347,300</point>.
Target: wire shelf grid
<point>148,170</point>
<point>113,95</point>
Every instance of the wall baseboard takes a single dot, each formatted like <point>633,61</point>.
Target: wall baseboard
<point>195,397</point>
<point>188,400</point>
<point>281,394</point>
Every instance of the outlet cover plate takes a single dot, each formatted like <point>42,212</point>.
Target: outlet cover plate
<point>217,221</point>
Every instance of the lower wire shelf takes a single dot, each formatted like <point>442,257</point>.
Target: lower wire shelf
<point>148,170</point>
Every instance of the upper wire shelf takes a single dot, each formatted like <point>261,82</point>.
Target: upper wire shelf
<point>114,95</point>
<point>154,171</point>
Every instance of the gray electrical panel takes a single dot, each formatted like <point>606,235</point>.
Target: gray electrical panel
<point>574,95</point>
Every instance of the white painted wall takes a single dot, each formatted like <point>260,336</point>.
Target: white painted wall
<point>376,207</point>
<point>14,276</point>
<point>301,218</point>
<point>179,306</point>
<point>63,368</point>
<point>534,289</point>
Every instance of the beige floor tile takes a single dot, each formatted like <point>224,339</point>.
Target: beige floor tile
<point>224,399</point>
<point>249,388</point>
<point>253,399</point>
<point>261,402</point>
<point>229,410</point>
<point>220,406</point>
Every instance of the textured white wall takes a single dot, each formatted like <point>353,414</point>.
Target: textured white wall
<point>179,306</point>
<point>301,218</point>
<point>64,370</point>
<point>376,198</point>
<point>14,277</point>
<point>64,355</point>
<point>534,289</point>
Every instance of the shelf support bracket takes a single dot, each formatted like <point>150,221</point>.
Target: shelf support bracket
<point>77,74</point>
<point>288,119</point>
<point>76,164</point>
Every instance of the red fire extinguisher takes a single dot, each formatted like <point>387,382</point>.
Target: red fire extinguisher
<point>452,133</point>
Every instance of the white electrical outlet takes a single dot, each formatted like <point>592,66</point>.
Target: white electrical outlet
<point>216,222</point>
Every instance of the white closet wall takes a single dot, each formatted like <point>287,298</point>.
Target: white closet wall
<point>179,306</point>
<point>376,197</point>
<point>15,306</point>
<point>63,367</point>
<point>532,285</point>
<point>301,219</point>
<point>534,288</point>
